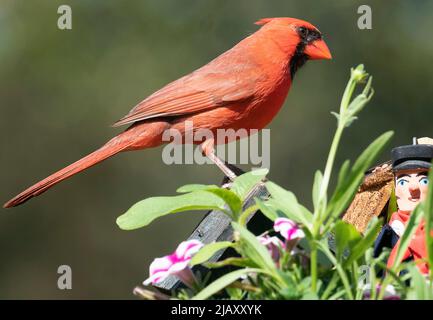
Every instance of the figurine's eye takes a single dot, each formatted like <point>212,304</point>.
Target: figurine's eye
<point>303,32</point>
<point>402,182</point>
<point>424,181</point>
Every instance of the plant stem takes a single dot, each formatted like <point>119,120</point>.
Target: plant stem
<point>327,175</point>
<point>313,266</point>
<point>344,118</point>
<point>323,191</point>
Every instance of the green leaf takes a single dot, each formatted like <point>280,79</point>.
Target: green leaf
<point>365,243</point>
<point>345,192</point>
<point>229,197</point>
<point>322,258</point>
<point>206,252</point>
<point>346,236</point>
<point>195,187</point>
<point>343,174</point>
<point>420,288</point>
<point>361,100</point>
<point>268,210</point>
<point>318,177</point>
<point>286,202</point>
<point>246,182</point>
<point>144,212</point>
<point>336,115</point>
<point>232,261</point>
<point>310,296</point>
<point>253,249</point>
<point>223,282</point>
<point>350,120</point>
<point>288,212</point>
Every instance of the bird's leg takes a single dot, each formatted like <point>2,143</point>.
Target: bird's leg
<point>209,151</point>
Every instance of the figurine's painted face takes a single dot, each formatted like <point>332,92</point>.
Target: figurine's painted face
<point>410,188</point>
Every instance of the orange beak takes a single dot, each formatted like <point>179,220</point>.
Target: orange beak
<point>318,50</point>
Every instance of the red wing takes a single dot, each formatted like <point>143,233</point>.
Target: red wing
<point>197,92</point>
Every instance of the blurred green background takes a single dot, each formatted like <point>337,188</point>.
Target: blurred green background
<point>61,90</point>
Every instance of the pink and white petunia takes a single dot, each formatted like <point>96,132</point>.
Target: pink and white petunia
<point>175,264</point>
<point>288,229</point>
<point>274,246</point>
<point>271,241</point>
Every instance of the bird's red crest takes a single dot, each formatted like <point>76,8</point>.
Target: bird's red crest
<point>285,21</point>
<point>263,21</point>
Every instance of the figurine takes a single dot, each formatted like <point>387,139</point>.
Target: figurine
<point>410,165</point>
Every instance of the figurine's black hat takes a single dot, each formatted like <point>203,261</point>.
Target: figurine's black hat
<point>418,156</point>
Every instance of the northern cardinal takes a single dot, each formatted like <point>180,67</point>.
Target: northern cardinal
<point>244,87</point>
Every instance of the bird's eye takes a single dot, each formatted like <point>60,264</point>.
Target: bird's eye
<point>313,35</point>
<point>303,32</point>
<point>424,181</point>
<point>402,182</point>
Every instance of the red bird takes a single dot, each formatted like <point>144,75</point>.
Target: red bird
<point>243,88</point>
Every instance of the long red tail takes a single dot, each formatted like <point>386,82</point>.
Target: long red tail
<point>95,157</point>
<point>138,136</point>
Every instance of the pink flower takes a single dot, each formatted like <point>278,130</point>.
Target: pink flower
<point>288,229</point>
<point>175,264</point>
<point>274,246</point>
<point>271,241</point>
